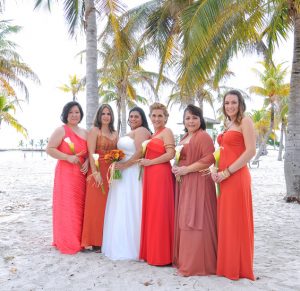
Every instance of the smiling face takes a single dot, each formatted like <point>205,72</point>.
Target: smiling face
<point>105,116</point>
<point>135,119</point>
<point>74,116</point>
<point>158,119</point>
<point>191,122</point>
<point>231,106</point>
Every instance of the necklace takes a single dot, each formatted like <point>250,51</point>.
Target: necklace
<point>229,125</point>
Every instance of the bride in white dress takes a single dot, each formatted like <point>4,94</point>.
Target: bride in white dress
<point>122,222</point>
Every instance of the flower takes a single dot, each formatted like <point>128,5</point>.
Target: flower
<point>114,156</point>
<point>144,147</point>
<point>178,150</point>
<point>214,168</point>
<point>96,160</point>
<point>72,148</point>
<point>71,145</point>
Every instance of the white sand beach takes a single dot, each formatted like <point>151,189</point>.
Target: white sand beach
<point>28,262</point>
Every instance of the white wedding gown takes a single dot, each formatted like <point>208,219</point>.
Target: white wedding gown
<point>122,222</point>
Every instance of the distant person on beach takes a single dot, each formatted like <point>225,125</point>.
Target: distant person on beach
<point>102,138</point>
<point>157,233</point>
<point>235,215</point>
<point>195,245</point>
<point>68,144</point>
<point>122,224</point>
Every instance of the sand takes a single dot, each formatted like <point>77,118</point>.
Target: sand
<point>28,262</point>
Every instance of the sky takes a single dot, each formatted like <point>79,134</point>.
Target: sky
<point>45,46</point>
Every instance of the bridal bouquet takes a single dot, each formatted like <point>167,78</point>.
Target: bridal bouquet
<point>114,156</point>
<point>144,147</point>
<point>178,150</point>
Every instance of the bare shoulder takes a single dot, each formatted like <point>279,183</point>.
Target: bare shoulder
<point>247,121</point>
<point>142,130</point>
<point>59,131</point>
<point>168,131</point>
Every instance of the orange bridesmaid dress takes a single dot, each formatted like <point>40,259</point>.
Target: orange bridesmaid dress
<point>95,201</point>
<point>157,232</point>
<point>235,215</point>
<point>68,197</point>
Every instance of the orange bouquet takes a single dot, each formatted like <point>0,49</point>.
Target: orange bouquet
<point>114,156</point>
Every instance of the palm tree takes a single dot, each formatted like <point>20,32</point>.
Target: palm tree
<point>283,111</point>
<point>12,69</point>
<point>6,106</point>
<point>75,86</point>
<point>123,52</point>
<point>83,13</point>
<point>273,88</point>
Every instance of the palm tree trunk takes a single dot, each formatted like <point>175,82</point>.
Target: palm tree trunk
<point>292,153</point>
<point>199,97</point>
<point>92,98</point>
<point>123,110</point>
<point>281,141</point>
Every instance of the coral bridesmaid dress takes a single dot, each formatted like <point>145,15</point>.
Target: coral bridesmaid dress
<point>95,202</point>
<point>157,233</point>
<point>68,197</point>
<point>235,216</point>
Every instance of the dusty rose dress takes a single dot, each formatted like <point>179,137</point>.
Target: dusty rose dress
<point>195,245</point>
<point>68,197</point>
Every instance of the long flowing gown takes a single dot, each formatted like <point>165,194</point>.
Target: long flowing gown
<point>68,197</point>
<point>235,216</point>
<point>195,245</point>
<point>121,235</point>
<point>157,233</point>
<point>95,201</point>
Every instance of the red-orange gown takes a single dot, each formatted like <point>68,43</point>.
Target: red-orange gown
<point>95,201</point>
<point>235,215</point>
<point>68,197</point>
<point>195,245</point>
<point>157,232</point>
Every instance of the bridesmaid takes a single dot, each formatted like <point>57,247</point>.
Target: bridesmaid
<point>157,231</point>
<point>69,180</point>
<point>101,139</point>
<point>195,245</point>
<point>235,215</point>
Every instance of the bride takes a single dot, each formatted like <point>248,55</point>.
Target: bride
<point>122,222</point>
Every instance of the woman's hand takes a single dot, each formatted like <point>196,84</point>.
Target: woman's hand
<point>98,179</point>
<point>180,171</point>
<point>145,162</point>
<point>73,159</point>
<point>218,177</point>
<point>85,166</point>
<point>120,166</point>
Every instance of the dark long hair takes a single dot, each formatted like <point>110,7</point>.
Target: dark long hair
<point>242,105</point>
<point>97,120</point>
<point>66,110</point>
<point>142,114</point>
<point>194,110</point>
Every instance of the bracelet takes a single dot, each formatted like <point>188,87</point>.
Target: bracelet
<point>225,173</point>
<point>229,171</point>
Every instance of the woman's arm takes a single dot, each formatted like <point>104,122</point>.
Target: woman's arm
<point>249,140</point>
<point>140,135</point>
<point>169,142</point>
<point>250,144</point>
<point>91,143</point>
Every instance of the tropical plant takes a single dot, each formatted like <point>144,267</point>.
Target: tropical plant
<point>273,88</point>
<point>75,86</point>
<point>7,111</point>
<point>123,52</point>
<point>83,14</point>
<point>12,69</point>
